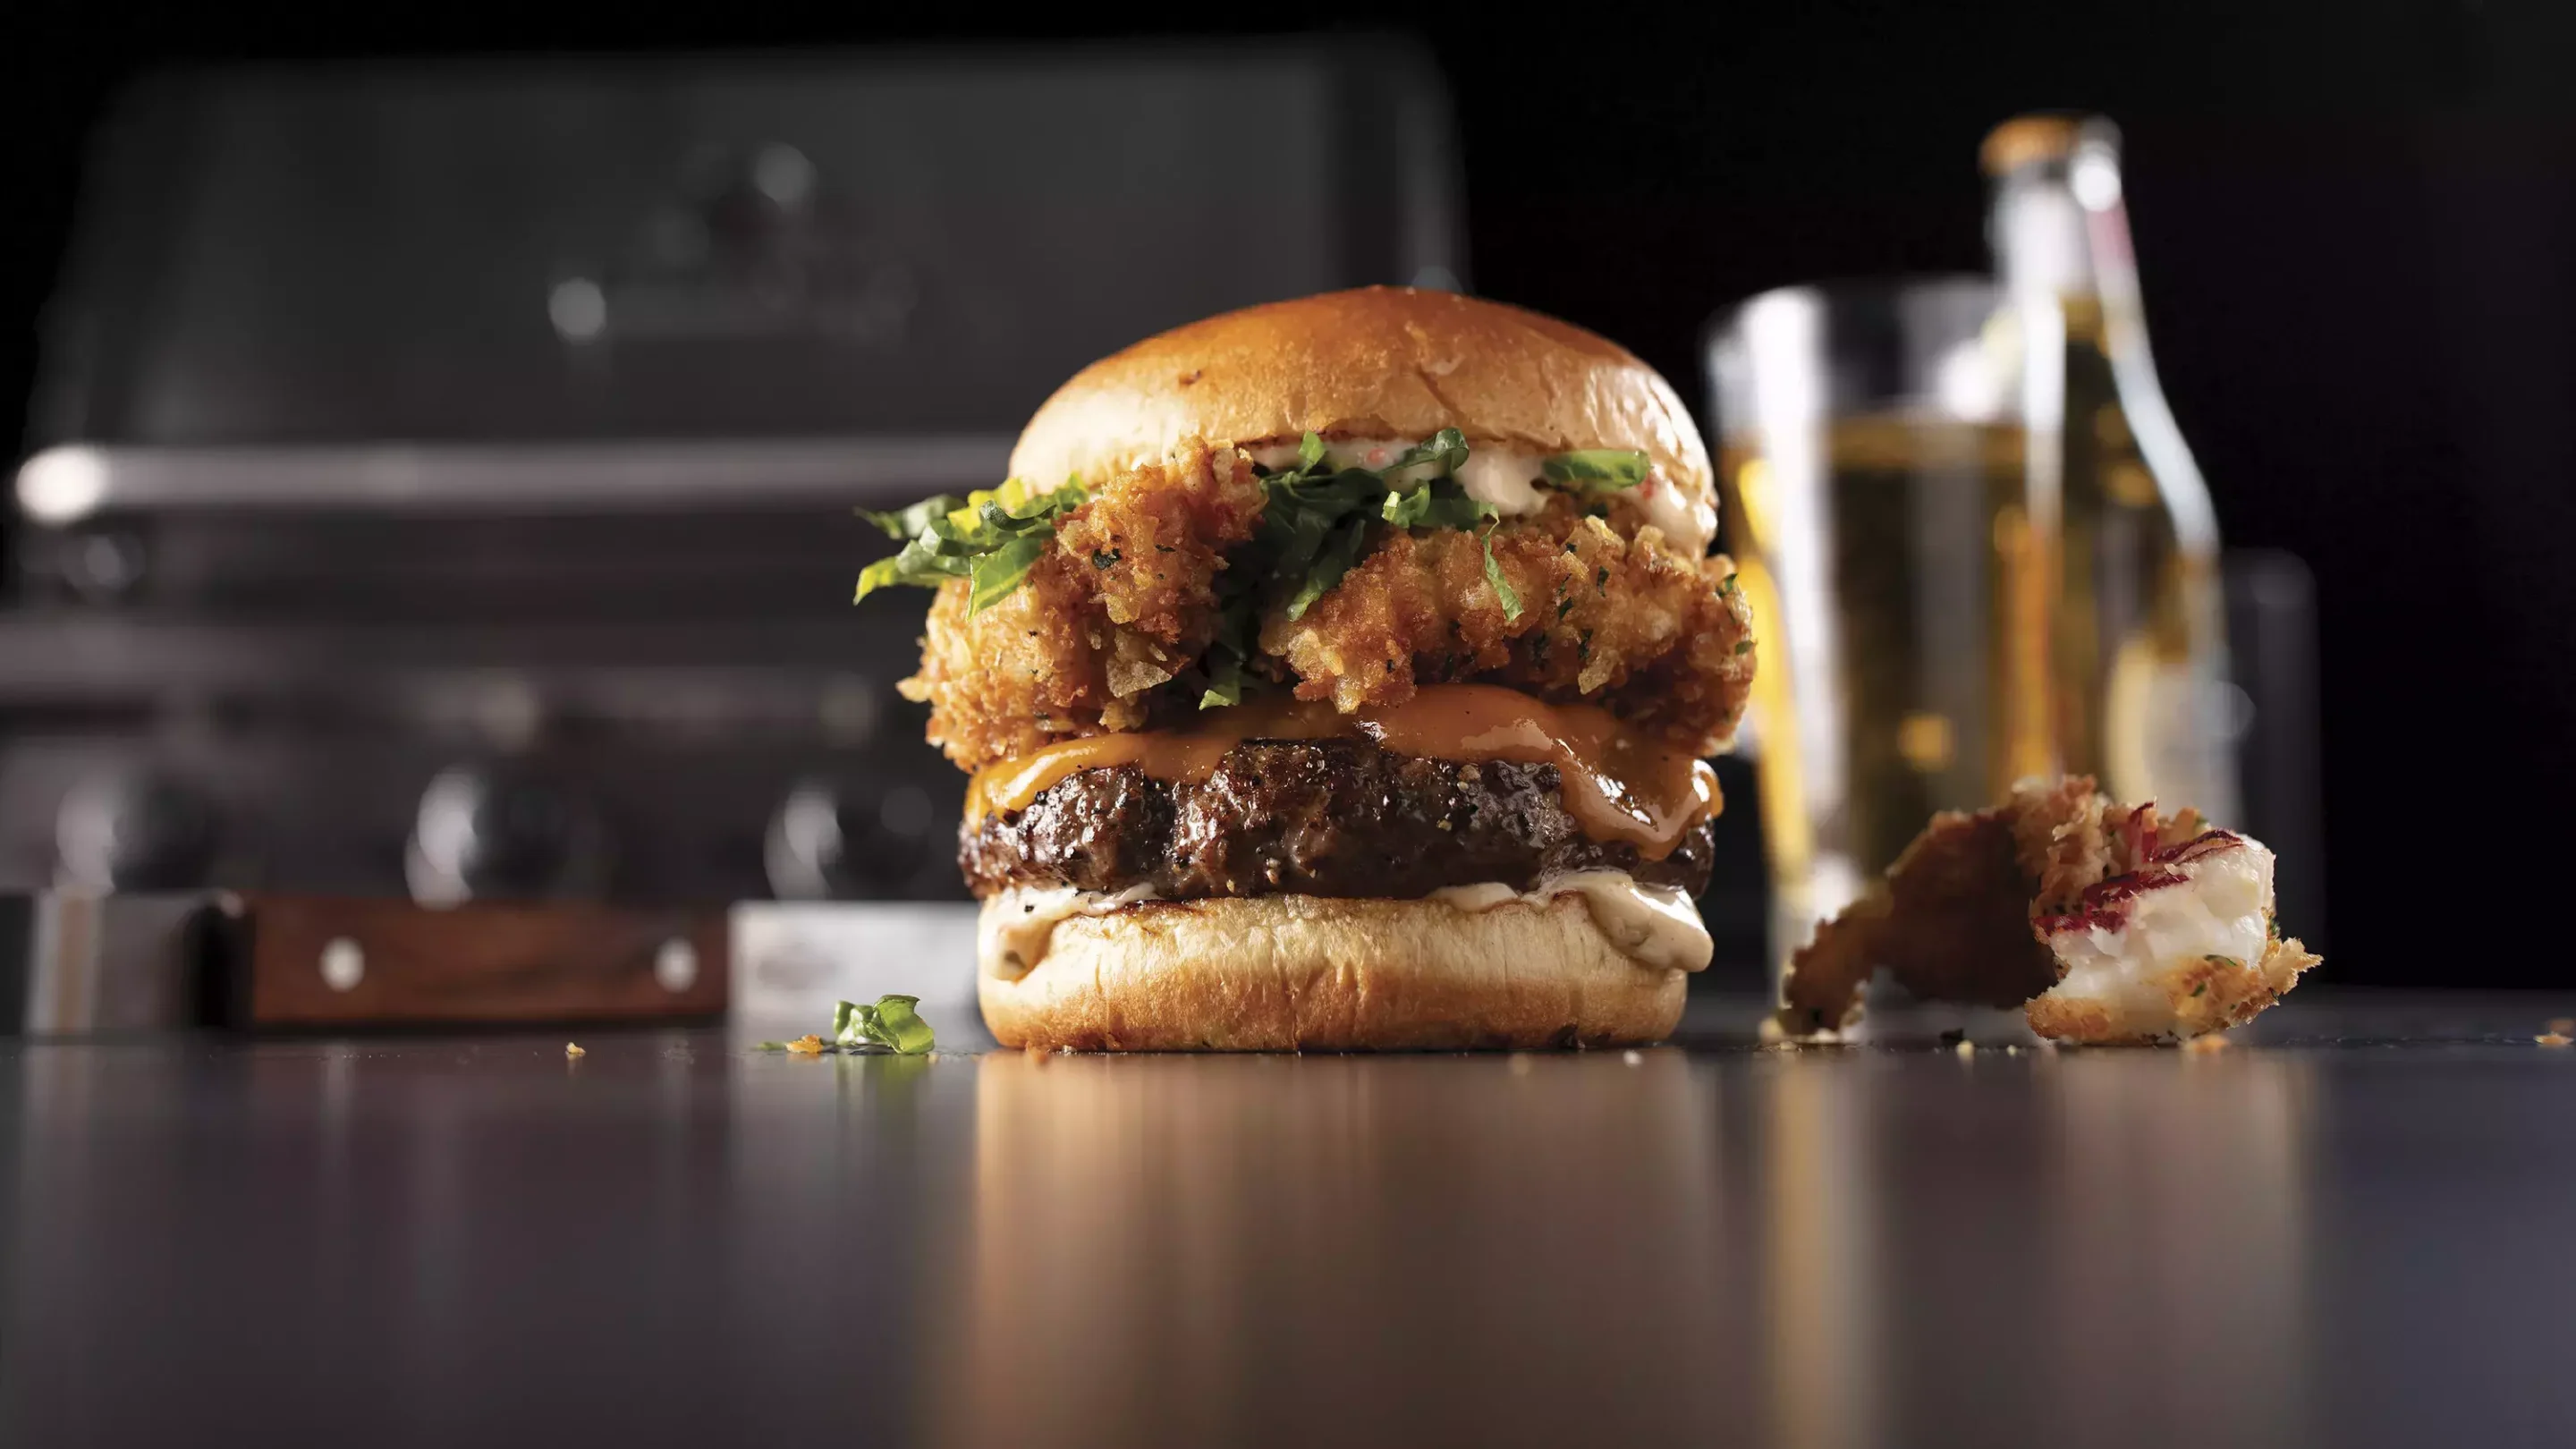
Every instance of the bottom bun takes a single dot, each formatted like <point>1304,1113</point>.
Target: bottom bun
<point>1290,973</point>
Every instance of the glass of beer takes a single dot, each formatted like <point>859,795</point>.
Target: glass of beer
<point>1897,560</point>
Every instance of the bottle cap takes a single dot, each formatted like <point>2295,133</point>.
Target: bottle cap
<point>2043,136</point>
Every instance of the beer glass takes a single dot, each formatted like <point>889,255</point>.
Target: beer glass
<point>1898,562</point>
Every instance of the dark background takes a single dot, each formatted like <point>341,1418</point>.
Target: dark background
<point>2356,225</point>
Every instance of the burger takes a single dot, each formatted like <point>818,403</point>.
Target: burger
<point>1337,674</point>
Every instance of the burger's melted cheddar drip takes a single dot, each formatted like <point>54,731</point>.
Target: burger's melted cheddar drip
<point>1618,784</point>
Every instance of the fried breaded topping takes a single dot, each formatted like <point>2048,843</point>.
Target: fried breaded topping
<point>1123,601</point>
<point>1617,621</point>
<point>1112,628</point>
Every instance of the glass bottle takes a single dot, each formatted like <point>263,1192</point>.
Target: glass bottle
<point>2137,634</point>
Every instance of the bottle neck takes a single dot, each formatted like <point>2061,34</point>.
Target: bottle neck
<point>2060,233</point>
<point>2038,234</point>
<point>2060,229</point>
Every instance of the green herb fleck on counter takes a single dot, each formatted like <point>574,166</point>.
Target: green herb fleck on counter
<point>892,1024</point>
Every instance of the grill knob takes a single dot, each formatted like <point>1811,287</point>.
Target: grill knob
<point>137,831</point>
<point>489,833</point>
<point>829,842</point>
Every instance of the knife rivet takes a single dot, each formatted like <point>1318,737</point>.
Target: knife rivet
<point>676,965</point>
<point>343,964</point>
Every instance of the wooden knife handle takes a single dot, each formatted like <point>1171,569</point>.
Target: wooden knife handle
<point>324,961</point>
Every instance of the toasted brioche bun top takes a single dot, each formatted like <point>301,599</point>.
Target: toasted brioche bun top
<point>1380,362</point>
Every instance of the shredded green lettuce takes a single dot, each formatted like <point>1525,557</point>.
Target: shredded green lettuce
<point>992,538</point>
<point>1316,524</point>
<point>1224,680</point>
<point>905,524</point>
<point>1503,589</point>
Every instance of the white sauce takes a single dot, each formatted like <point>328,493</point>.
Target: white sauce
<point>1012,931</point>
<point>1652,925</point>
<point>2218,909</point>
<point>1509,480</point>
<point>1655,926</point>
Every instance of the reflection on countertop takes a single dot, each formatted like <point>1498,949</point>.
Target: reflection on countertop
<point>671,1240</point>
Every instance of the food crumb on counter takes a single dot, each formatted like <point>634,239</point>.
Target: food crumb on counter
<point>807,1045</point>
<point>1966,1049</point>
<point>2553,1038</point>
<point>2204,1044</point>
<point>572,1050</point>
<point>1633,1058</point>
<point>1771,1032</point>
<point>1036,1054</point>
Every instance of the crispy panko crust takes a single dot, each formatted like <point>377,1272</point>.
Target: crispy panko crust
<point>2206,995</point>
<point>2068,835</point>
<point>1954,919</point>
<point>1617,621</point>
<point>1127,600</point>
<point>1950,921</point>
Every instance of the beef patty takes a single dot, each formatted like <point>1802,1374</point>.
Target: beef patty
<point>1310,817</point>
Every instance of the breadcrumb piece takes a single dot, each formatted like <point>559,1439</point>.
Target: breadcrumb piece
<point>1965,1049</point>
<point>2553,1038</point>
<point>573,1049</point>
<point>2210,1043</point>
<point>1633,1058</point>
<point>808,1045</point>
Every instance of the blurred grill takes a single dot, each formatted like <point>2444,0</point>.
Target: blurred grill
<point>449,469</point>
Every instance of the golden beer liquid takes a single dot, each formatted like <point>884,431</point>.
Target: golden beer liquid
<point>1935,586</point>
<point>2138,629</point>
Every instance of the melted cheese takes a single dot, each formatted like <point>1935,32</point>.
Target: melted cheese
<point>1652,925</point>
<point>1618,784</point>
<point>1509,479</point>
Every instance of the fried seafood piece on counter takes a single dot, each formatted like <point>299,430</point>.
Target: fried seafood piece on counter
<point>1950,921</point>
<point>2107,923</point>
<point>2179,943</point>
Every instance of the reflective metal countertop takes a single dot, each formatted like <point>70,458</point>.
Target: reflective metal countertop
<point>2352,1229</point>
